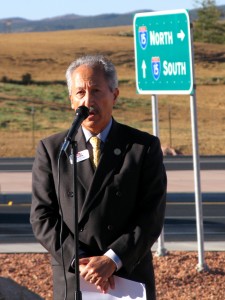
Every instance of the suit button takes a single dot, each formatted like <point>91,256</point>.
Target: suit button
<point>110,227</point>
<point>81,229</point>
<point>70,194</point>
<point>118,194</point>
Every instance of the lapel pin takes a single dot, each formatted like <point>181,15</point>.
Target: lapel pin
<point>117,151</point>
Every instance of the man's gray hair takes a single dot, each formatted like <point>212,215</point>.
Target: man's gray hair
<point>94,61</point>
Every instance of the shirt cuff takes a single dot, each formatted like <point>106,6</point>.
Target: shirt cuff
<point>111,254</point>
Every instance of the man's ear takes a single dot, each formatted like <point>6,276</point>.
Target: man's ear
<point>116,95</point>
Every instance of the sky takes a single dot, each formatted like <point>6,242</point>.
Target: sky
<point>36,10</point>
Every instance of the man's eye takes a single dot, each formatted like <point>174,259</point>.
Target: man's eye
<point>80,93</point>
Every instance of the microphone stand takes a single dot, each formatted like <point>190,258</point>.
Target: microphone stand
<point>77,293</point>
<point>82,113</point>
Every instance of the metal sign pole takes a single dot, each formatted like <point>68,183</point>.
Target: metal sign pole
<point>198,197</point>
<point>155,124</point>
<point>196,166</point>
<point>155,116</point>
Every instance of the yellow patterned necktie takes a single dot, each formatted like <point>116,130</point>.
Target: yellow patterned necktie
<point>95,142</point>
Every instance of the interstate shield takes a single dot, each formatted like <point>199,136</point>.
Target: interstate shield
<point>143,37</point>
<point>156,67</point>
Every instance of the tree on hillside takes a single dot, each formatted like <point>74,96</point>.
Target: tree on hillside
<point>208,28</point>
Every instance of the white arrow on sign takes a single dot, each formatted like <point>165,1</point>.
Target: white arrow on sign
<point>143,66</point>
<point>181,35</point>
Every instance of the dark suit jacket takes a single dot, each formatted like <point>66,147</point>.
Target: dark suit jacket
<point>120,206</point>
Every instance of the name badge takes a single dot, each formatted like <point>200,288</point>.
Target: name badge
<point>82,155</point>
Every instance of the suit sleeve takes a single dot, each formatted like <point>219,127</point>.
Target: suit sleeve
<point>147,224</point>
<point>45,217</point>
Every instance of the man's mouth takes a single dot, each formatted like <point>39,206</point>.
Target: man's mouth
<point>91,111</point>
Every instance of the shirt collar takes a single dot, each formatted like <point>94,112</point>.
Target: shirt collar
<point>102,135</point>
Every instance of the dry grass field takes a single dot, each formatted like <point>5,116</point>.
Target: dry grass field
<point>46,56</point>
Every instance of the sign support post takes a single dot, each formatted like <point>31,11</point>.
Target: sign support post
<point>197,178</point>
<point>155,124</point>
<point>155,117</point>
<point>197,182</point>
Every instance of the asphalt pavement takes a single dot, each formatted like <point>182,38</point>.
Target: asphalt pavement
<point>178,181</point>
<point>181,182</point>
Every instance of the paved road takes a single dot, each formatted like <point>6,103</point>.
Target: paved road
<point>178,181</point>
<point>180,224</point>
<point>180,215</point>
<point>186,163</point>
<point>171,163</point>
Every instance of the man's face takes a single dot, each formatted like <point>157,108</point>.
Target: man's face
<point>90,88</point>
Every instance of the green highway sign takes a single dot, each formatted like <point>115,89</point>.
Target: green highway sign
<point>163,52</point>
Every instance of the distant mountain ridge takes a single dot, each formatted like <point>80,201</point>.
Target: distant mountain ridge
<point>73,21</point>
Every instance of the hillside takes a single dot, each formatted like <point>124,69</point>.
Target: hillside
<point>30,112</point>
<point>74,21</point>
<point>67,22</point>
<point>35,53</point>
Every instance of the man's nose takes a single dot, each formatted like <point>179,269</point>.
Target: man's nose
<point>88,99</point>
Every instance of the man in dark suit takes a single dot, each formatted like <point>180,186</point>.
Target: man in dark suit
<point>121,202</point>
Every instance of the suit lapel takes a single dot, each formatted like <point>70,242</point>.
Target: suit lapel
<point>84,168</point>
<point>114,150</point>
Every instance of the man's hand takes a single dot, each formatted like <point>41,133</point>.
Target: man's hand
<point>98,270</point>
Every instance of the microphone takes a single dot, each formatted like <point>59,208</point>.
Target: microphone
<point>81,114</point>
